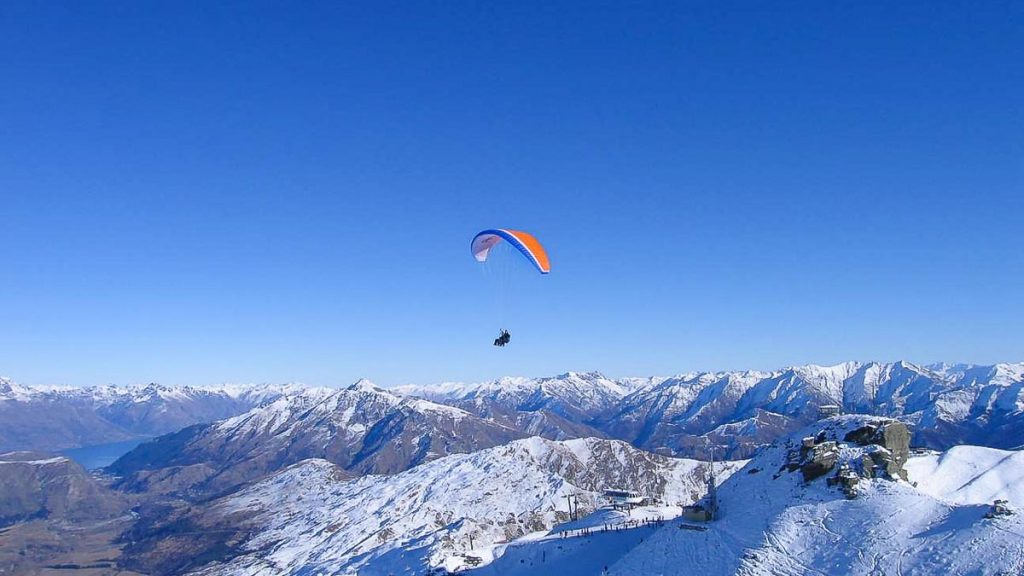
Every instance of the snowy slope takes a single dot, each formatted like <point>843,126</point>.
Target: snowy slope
<point>774,522</point>
<point>311,521</point>
<point>450,391</point>
<point>970,475</point>
<point>784,526</point>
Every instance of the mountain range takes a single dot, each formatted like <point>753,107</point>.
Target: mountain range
<point>738,411</point>
<point>946,404</point>
<point>298,479</point>
<point>53,418</point>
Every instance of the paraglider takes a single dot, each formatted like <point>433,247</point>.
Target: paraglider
<point>523,241</point>
<point>486,241</point>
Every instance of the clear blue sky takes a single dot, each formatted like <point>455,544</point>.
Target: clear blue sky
<point>286,191</point>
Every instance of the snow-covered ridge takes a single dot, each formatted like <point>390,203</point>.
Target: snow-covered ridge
<point>970,475</point>
<point>847,383</point>
<point>307,403</point>
<point>311,521</point>
<point>587,388</point>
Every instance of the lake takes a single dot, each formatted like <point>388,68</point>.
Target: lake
<point>101,455</point>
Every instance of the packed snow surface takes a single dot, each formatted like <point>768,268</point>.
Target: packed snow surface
<point>970,475</point>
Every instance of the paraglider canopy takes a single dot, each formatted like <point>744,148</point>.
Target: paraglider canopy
<point>523,241</point>
<point>487,244</point>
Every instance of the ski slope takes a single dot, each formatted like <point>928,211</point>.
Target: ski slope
<point>772,522</point>
<point>970,475</point>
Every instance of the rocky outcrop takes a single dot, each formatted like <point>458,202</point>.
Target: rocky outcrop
<point>818,459</point>
<point>892,440</point>
<point>1000,508</point>
<point>849,448</point>
<point>776,522</point>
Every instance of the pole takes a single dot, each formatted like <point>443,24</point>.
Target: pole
<point>712,487</point>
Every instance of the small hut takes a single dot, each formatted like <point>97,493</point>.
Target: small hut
<point>697,513</point>
<point>623,498</point>
<point>828,411</point>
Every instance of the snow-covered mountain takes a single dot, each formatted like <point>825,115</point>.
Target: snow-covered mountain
<point>559,407</point>
<point>363,429</point>
<point>945,405</point>
<point>51,418</point>
<point>970,475</point>
<point>573,391</point>
<point>739,411</point>
<point>677,413</point>
<point>830,499</point>
<point>308,519</point>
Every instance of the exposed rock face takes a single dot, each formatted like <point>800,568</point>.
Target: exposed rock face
<point>818,459</point>
<point>999,508</point>
<point>848,448</point>
<point>53,513</point>
<point>893,438</point>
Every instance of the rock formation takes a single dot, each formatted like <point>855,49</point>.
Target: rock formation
<point>877,448</point>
